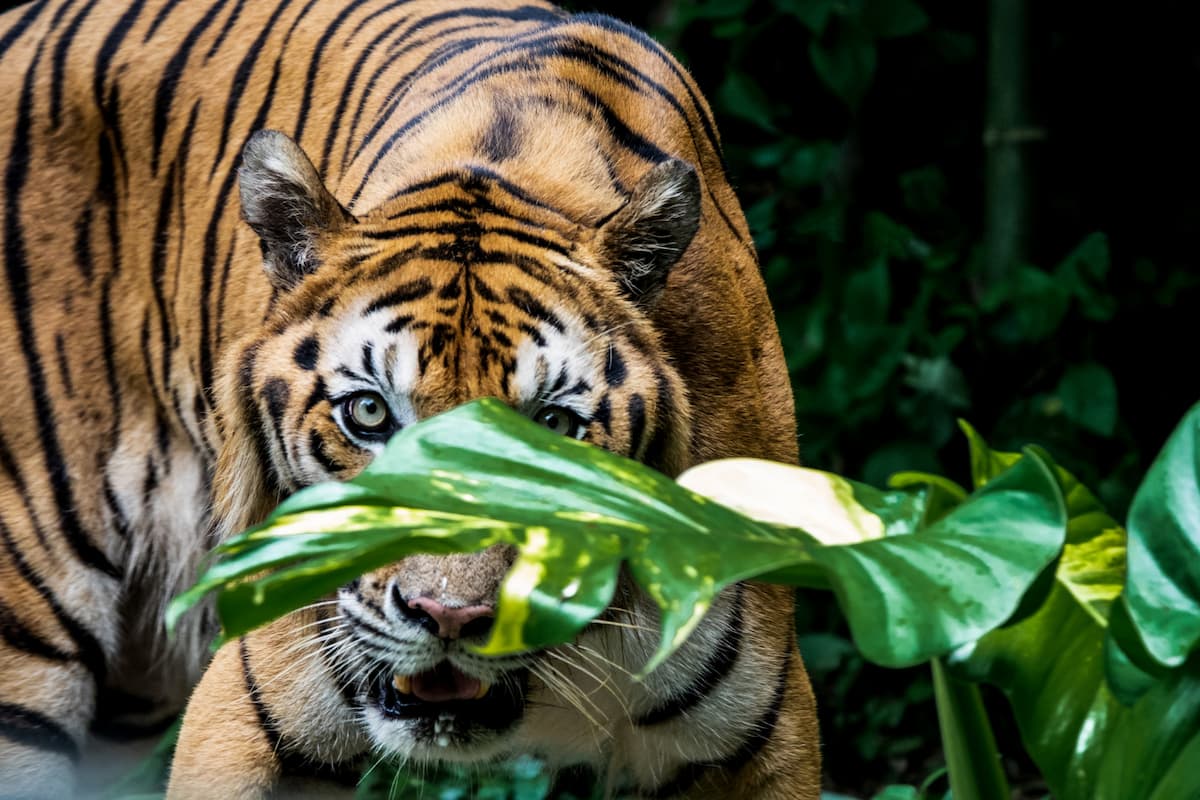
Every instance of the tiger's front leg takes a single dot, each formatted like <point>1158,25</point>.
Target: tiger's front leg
<point>58,633</point>
<point>267,717</point>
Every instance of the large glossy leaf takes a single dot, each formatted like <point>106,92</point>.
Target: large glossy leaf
<point>926,585</point>
<point>483,474</point>
<point>1051,667</point>
<point>1162,596</point>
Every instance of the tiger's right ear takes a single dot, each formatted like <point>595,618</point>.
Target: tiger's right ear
<point>287,205</point>
<point>651,232</point>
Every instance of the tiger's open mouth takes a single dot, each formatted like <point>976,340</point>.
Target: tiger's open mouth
<point>453,703</point>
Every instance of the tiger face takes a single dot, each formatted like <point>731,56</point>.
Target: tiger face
<point>457,288</point>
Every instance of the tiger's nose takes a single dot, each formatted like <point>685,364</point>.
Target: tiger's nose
<point>450,623</point>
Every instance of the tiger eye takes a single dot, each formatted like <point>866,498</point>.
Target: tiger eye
<point>367,413</point>
<point>560,420</point>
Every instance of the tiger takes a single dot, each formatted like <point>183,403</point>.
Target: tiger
<point>245,244</point>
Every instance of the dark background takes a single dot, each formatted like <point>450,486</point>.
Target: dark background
<point>855,135</point>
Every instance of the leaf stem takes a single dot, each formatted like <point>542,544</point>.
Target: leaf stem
<point>970,747</point>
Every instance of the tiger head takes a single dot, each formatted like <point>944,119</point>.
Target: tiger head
<point>458,286</point>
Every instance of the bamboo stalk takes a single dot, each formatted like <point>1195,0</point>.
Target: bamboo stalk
<point>1007,134</point>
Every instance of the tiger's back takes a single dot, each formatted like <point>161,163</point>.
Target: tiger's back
<point>131,281</point>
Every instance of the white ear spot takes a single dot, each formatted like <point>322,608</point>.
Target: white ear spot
<point>652,230</point>
<point>287,205</point>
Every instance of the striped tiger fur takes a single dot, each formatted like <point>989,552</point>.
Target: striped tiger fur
<point>244,242</point>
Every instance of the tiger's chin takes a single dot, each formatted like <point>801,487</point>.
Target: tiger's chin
<point>444,714</point>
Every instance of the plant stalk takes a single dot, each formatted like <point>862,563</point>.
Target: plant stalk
<point>1008,132</point>
<point>971,756</point>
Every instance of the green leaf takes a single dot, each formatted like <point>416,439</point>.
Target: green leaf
<point>908,592</point>
<point>813,13</point>
<point>939,377</point>
<point>924,189</point>
<point>809,164</point>
<point>494,476</point>
<point>943,494</point>
<point>745,99</point>
<point>1048,665</point>
<point>845,63</point>
<point>986,463</point>
<point>898,456</point>
<point>714,9</point>
<point>897,792</point>
<point>1128,667</point>
<point>1092,566</point>
<point>1032,304</point>
<point>1163,591</point>
<point>483,474</point>
<point>890,18</point>
<point>1083,273</point>
<point>1089,398</point>
<point>889,238</point>
<point>869,294</point>
<point>1087,745</point>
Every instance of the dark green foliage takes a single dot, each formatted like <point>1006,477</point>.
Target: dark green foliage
<point>854,133</point>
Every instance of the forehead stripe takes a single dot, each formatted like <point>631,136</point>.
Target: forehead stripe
<point>399,323</point>
<point>368,359</point>
<point>532,333</point>
<point>477,173</point>
<point>405,293</point>
<point>560,381</point>
<point>530,305</point>
<point>479,287</point>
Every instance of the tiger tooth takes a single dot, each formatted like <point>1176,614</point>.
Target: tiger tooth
<point>484,686</point>
<point>402,683</point>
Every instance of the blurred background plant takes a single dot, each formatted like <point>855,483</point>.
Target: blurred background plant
<point>978,210</point>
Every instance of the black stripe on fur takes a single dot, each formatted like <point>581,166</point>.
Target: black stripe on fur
<point>759,734</point>
<point>716,668</point>
<point>291,763</point>
<point>34,729</point>
<point>22,307</point>
<point>88,650</point>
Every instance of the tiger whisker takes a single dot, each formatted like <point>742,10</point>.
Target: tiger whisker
<point>571,693</point>
<point>605,684</point>
<point>629,625</point>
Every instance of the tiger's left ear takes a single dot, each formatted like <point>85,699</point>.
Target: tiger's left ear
<point>649,234</point>
<point>287,205</point>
